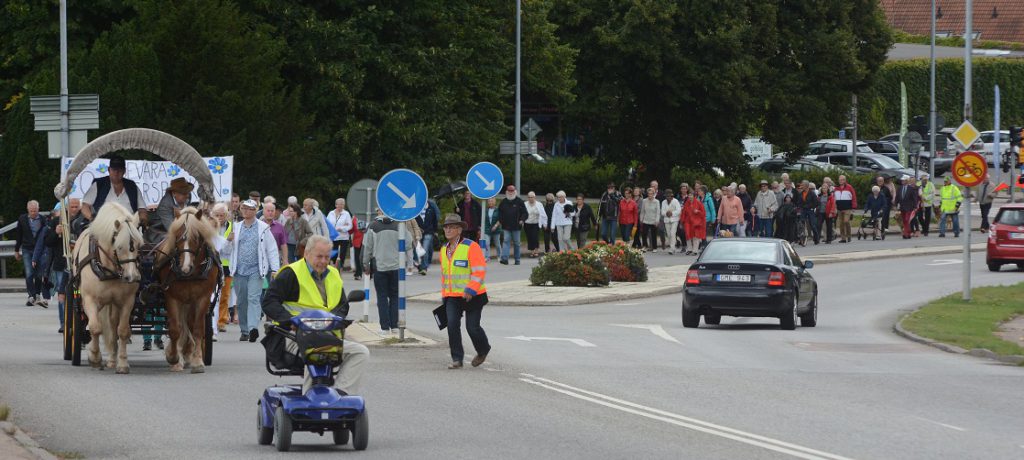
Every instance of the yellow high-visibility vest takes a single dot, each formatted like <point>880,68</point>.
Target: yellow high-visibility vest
<point>309,294</point>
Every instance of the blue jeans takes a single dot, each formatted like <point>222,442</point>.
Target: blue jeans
<point>626,231</point>
<point>956,223</point>
<point>454,306</point>
<point>428,246</point>
<point>608,230</point>
<point>33,275</point>
<point>293,256</point>
<point>510,237</point>
<point>386,285</point>
<point>763,227</point>
<point>247,293</point>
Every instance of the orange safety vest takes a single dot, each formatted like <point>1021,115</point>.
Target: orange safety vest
<point>464,272</point>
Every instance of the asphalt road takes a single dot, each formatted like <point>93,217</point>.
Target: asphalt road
<point>633,384</point>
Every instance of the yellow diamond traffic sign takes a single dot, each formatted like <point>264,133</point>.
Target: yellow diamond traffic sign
<point>966,134</point>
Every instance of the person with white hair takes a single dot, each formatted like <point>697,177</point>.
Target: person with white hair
<point>311,213</point>
<point>29,233</point>
<point>907,200</point>
<point>875,207</point>
<point>929,200</point>
<point>341,220</point>
<point>561,219</point>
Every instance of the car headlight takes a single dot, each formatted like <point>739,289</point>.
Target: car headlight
<point>317,324</point>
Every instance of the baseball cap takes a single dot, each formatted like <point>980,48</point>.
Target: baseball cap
<point>250,204</point>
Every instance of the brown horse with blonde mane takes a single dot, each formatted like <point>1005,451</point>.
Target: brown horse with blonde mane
<point>188,268</point>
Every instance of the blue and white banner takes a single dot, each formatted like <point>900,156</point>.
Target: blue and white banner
<point>153,177</point>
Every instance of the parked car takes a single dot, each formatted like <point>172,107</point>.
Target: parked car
<point>780,165</point>
<point>870,163</point>
<point>1006,238</point>
<point>755,277</point>
<point>983,145</point>
<point>823,146</point>
<point>889,146</point>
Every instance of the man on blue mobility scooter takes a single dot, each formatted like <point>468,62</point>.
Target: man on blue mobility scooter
<point>307,305</point>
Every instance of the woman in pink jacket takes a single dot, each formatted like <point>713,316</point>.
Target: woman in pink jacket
<point>730,213</point>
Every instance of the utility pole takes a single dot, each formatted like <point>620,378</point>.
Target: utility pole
<point>931,112</point>
<point>65,131</point>
<point>853,118</point>
<point>519,101</point>
<point>969,39</point>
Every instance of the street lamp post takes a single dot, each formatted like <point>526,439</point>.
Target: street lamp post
<point>519,102</point>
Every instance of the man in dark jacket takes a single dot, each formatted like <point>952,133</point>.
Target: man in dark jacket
<point>470,212</point>
<point>808,204</point>
<point>27,234</point>
<point>907,200</point>
<point>427,220</point>
<point>54,241</point>
<point>609,213</point>
<point>511,215</point>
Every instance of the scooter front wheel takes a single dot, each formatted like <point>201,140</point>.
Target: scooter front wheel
<point>282,430</point>
<point>264,434</point>
<point>361,431</point>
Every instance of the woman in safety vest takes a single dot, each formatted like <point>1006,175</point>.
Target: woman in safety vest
<point>463,267</point>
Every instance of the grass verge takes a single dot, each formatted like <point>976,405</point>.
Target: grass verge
<point>4,412</point>
<point>971,324</point>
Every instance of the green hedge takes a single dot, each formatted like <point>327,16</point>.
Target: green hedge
<point>573,175</point>
<point>879,105</point>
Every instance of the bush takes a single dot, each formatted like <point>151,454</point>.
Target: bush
<point>573,175</point>
<point>570,268</point>
<point>623,261</point>
<point>594,265</point>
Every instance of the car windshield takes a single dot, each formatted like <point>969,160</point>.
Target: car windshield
<point>864,149</point>
<point>734,250</point>
<point>1011,217</point>
<point>886,162</point>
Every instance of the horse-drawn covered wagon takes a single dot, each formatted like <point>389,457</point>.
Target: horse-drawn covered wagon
<point>123,285</point>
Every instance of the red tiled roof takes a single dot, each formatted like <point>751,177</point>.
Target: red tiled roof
<point>913,17</point>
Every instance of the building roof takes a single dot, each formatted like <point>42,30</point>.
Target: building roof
<point>1001,20</point>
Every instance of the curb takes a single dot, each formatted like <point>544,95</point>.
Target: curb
<point>978,352</point>
<point>364,335</point>
<point>535,296</point>
<point>23,440</point>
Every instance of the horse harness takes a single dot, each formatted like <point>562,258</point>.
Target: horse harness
<point>103,272</point>
<point>176,272</point>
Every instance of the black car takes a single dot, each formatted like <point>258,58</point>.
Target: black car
<point>759,277</point>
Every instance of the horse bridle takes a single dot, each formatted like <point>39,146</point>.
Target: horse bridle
<point>196,273</point>
<point>103,272</point>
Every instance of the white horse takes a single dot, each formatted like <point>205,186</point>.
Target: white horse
<point>105,260</point>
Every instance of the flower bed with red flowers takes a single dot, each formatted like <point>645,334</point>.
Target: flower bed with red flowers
<point>595,265</point>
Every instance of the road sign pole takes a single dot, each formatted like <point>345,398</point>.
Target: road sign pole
<point>519,102</point>
<point>65,131</point>
<point>366,278</point>
<point>484,232</point>
<point>853,145</point>
<point>931,111</point>
<point>968,40</point>
<point>401,280</point>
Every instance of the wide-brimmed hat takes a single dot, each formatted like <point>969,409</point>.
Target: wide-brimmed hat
<point>180,185</point>
<point>453,219</point>
<point>763,182</point>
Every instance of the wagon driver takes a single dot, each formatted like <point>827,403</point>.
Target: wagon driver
<point>114,188</point>
<point>313,283</point>
<point>174,200</point>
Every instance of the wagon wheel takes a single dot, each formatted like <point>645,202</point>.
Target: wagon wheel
<point>208,343</point>
<point>68,321</point>
<point>77,329</point>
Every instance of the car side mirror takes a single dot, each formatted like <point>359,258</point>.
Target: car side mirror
<point>356,296</point>
<point>873,166</point>
<point>808,264</point>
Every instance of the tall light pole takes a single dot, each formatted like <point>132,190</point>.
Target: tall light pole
<point>931,110</point>
<point>519,102</point>
<point>969,39</point>
<point>65,132</point>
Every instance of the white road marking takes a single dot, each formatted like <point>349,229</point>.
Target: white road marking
<point>938,262</point>
<point>680,420</point>
<point>580,342</point>
<point>627,304</point>
<point>655,329</point>
<point>946,425</point>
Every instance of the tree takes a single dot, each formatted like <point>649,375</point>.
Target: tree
<point>679,83</point>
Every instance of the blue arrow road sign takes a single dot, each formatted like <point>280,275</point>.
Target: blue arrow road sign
<point>401,194</point>
<point>484,180</point>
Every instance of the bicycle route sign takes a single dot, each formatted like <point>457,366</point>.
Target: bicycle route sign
<point>969,169</point>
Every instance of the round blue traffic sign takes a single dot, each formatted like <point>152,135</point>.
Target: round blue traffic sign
<point>401,194</point>
<point>484,180</point>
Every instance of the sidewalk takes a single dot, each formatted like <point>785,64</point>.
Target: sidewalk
<point>15,444</point>
<point>661,281</point>
<point>366,334</point>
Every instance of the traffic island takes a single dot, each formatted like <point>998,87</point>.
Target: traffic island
<point>979,327</point>
<point>15,444</point>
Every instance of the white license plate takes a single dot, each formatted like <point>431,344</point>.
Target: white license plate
<point>734,278</point>
<point>1016,236</point>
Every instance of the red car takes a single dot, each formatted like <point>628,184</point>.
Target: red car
<point>1006,238</point>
